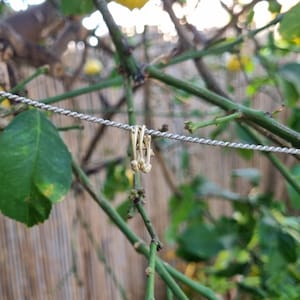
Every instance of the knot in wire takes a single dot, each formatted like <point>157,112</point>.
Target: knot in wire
<point>141,149</point>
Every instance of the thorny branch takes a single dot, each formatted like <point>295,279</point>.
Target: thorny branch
<point>186,44</point>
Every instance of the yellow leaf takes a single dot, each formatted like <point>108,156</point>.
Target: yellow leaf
<point>235,63</point>
<point>296,40</point>
<point>190,270</point>
<point>129,175</point>
<point>5,103</point>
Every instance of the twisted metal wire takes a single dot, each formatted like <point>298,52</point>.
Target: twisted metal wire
<point>152,132</point>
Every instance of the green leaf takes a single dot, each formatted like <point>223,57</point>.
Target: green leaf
<point>267,233</point>
<point>76,7</point>
<point>288,78</point>
<point>278,281</point>
<point>250,174</point>
<point>2,7</point>
<point>210,189</point>
<point>198,242</point>
<point>294,120</point>
<point>294,196</point>
<point>123,208</point>
<point>287,246</point>
<point>289,90</point>
<point>274,6</point>
<point>185,160</point>
<point>290,25</point>
<point>232,269</point>
<point>256,84</point>
<point>245,153</point>
<point>116,180</point>
<point>252,289</point>
<point>221,128</point>
<point>291,73</point>
<point>184,209</point>
<point>231,262</point>
<point>35,168</point>
<point>243,135</point>
<point>250,16</point>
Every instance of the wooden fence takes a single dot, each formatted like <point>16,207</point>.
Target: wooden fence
<point>58,259</point>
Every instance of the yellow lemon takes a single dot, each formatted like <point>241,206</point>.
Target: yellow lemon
<point>5,103</point>
<point>131,4</point>
<point>235,63</point>
<point>92,66</point>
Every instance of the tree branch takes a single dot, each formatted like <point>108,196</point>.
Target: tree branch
<point>259,117</point>
<point>127,61</point>
<point>136,242</point>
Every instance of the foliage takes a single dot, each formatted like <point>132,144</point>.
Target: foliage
<point>76,7</point>
<point>289,26</point>
<point>257,243</point>
<point>36,168</point>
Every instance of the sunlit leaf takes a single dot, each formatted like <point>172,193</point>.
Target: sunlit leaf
<point>274,6</point>
<point>290,25</point>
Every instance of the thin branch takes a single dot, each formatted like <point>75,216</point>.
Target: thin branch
<point>137,243</point>
<point>193,126</point>
<point>98,167</point>
<point>185,42</point>
<point>137,194</point>
<point>201,289</point>
<point>69,81</point>
<point>285,172</point>
<point>234,18</point>
<point>38,72</point>
<point>109,82</point>
<point>100,255</point>
<point>22,84</point>
<point>218,48</point>
<point>271,137</point>
<point>127,61</point>
<point>169,294</point>
<point>137,197</point>
<point>259,117</point>
<point>165,170</point>
<point>100,132</point>
<point>101,129</point>
<point>150,271</point>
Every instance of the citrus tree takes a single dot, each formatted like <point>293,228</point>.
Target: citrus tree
<point>253,251</point>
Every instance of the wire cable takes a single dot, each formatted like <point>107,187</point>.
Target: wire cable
<point>152,132</point>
